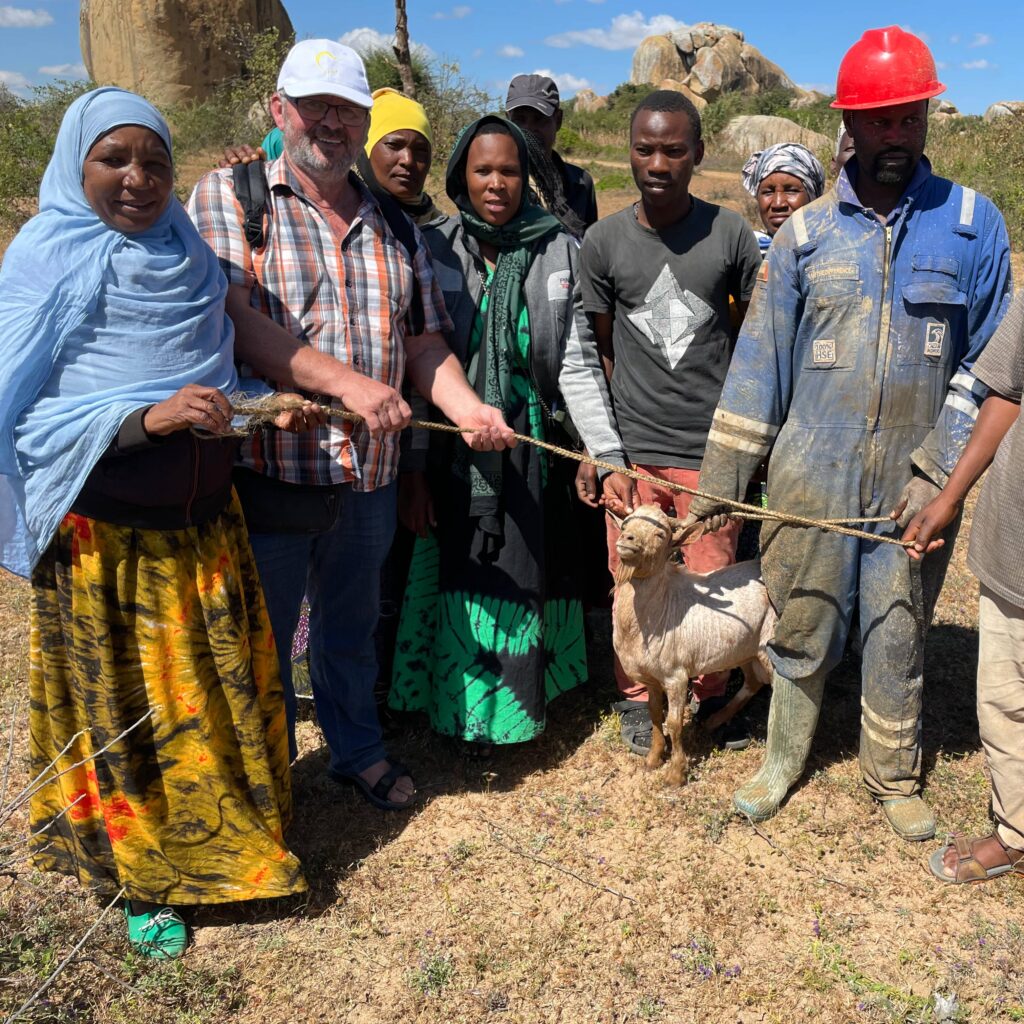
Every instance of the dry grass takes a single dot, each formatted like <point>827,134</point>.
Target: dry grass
<point>496,900</point>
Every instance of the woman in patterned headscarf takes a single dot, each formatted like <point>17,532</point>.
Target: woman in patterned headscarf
<point>782,178</point>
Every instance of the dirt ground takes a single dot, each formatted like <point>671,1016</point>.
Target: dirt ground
<point>561,883</point>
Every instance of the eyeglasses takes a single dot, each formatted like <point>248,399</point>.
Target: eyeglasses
<point>316,110</point>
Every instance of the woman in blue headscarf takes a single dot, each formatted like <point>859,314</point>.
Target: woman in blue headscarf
<point>157,727</point>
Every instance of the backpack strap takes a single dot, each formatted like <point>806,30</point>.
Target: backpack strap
<point>250,181</point>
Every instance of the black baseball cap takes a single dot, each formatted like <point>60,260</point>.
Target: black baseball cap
<point>537,91</point>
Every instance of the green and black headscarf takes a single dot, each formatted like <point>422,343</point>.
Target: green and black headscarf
<point>490,371</point>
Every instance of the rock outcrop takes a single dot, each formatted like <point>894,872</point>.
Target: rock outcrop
<point>1005,108</point>
<point>749,134</point>
<point>942,110</point>
<point>708,60</point>
<point>587,101</point>
<point>806,98</point>
<point>673,86</point>
<point>172,51</point>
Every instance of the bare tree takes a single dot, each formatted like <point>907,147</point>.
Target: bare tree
<point>401,49</point>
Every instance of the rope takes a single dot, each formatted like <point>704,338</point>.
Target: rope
<point>265,409</point>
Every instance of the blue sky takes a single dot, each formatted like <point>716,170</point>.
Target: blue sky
<point>589,43</point>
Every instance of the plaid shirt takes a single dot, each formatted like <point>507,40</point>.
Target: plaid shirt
<point>348,297</point>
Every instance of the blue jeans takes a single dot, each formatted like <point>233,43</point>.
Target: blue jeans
<point>339,571</point>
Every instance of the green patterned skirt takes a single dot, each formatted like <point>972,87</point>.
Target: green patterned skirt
<point>484,642</point>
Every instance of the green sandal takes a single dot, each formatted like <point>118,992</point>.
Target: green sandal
<point>160,934</point>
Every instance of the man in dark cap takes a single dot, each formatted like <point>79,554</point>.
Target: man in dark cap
<point>533,104</point>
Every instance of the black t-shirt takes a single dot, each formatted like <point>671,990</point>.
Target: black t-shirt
<point>669,292</point>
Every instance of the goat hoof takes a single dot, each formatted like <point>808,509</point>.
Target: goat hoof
<point>674,778</point>
<point>653,760</point>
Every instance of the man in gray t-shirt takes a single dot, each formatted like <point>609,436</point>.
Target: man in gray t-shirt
<point>657,280</point>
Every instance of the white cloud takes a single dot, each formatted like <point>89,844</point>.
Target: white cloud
<point>21,17</point>
<point>625,33</point>
<point>65,70</point>
<point>923,36</point>
<point>941,65</point>
<point>954,39</point>
<point>510,51</point>
<point>977,65</point>
<point>364,39</point>
<point>980,39</point>
<point>568,85</point>
<point>15,81</point>
<point>455,14</point>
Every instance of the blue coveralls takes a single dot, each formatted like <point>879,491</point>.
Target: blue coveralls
<point>853,369</point>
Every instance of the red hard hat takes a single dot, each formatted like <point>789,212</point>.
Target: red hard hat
<point>884,67</point>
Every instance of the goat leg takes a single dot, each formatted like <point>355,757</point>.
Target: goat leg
<point>752,682</point>
<point>656,707</point>
<point>676,694</point>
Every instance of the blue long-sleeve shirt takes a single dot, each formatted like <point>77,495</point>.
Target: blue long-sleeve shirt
<point>855,358</point>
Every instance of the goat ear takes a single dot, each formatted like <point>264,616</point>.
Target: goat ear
<point>684,533</point>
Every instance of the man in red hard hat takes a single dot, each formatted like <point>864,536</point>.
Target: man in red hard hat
<point>854,369</point>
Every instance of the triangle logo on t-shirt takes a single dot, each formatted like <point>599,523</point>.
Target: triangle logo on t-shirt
<point>671,316</point>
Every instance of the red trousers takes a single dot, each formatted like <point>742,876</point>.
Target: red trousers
<point>712,551</point>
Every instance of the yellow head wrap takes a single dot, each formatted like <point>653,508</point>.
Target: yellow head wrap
<point>393,112</point>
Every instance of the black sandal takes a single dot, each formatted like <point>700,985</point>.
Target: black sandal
<point>377,794</point>
<point>635,725</point>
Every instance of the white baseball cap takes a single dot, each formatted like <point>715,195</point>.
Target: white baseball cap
<point>317,67</point>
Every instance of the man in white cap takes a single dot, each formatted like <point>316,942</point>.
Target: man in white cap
<point>321,303</point>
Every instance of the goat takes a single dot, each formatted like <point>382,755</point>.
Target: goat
<point>671,625</point>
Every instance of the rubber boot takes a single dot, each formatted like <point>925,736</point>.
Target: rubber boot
<point>792,719</point>
<point>910,818</point>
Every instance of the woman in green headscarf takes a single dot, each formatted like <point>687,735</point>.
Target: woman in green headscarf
<point>491,629</point>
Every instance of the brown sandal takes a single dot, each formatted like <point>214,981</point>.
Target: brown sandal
<point>968,867</point>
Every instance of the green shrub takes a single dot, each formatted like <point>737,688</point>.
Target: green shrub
<point>612,119</point>
<point>715,116</point>
<point>819,117</point>
<point>452,103</point>
<point>613,180</point>
<point>986,157</point>
<point>28,130</point>
<point>570,143</point>
<point>382,71</point>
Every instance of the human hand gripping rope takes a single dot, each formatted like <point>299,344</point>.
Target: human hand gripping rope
<point>262,410</point>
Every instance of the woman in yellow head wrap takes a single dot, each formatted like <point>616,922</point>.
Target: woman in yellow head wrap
<point>398,154</point>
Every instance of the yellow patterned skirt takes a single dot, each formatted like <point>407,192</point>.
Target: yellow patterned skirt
<point>166,627</point>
